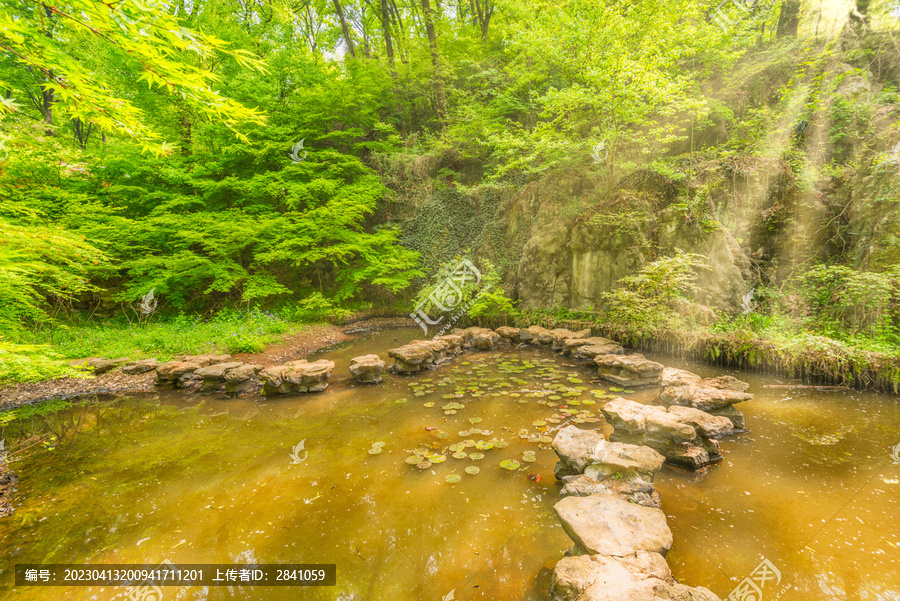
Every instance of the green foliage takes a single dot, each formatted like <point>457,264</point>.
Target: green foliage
<point>649,299</point>
<point>39,266</point>
<point>29,411</point>
<point>229,331</point>
<point>316,307</point>
<point>27,363</point>
<point>859,302</point>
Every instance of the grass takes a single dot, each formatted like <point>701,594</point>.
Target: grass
<point>228,332</point>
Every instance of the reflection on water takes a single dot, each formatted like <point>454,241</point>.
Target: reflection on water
<point>197,479</point>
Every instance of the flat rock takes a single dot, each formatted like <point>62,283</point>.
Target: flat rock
<point>639,577</point>
<point>699,396</point>
<point>590,352</point>
<point>217,371</point>
<point>727,383</point>
<point>142,366</point>
<point>672,376</point>
<point>571,344</point>
<point>582,448</point>
<point>204,360</point>
<point>101,366</point>
<point>634,491</point>
<point>454,342</point>
<point>711,426</point>
<point>628,370</point>
<point>367,369</point>
<point>171,372</point>
<point>635,418</point>
<point>603,524</point>
<point>241,379</point>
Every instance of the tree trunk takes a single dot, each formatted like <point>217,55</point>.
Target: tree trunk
<point>344,28</point>
<point>386,31</point>
<point>186,131</point>
<point>789,18</point>
<point>484,14</point>
<point>437,80</point>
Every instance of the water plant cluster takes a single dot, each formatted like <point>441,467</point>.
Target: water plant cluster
<point>471,433</point>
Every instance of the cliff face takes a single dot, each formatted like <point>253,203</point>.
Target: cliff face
<point>803,168</point>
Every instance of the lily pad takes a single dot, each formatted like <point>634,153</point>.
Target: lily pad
<point>453,478</point>
<point>400,401</point>
<point>500,444</point>
<point>528,458</point>
<point>460,455</point>
<point>464,433</point>
<point>428,404</point>
<point>442,435</point>
<point>474,420</point>
<point>438,458</point>
<point>378,444</point>
<point>627,392</point>
<point>616,389</point>
<point>424,465</point>
<point>414,459</point>
<point>538,423</point>
<point>476,456</point>
<point>510,464</point>
<point>374,450</point>
<point>472,470</point>
<point>545,439</point>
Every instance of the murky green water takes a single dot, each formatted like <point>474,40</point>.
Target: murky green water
<point>196,479</point>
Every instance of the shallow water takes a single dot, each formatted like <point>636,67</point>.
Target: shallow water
<point>194,479</point>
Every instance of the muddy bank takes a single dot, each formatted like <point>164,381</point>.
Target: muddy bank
<point>297,346</point>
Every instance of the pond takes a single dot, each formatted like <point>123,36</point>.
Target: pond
<point>196,479</point>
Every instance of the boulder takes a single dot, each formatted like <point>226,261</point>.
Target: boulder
<point>584,448</point>
<point>454,342</point>
<point>702,397</point>
<point>628,371</point>
<point>101,366</point>
<point>170,373</point>
<point>642,576</point>
<point>536,335</point>
<point>710,426</point>
<point>590,351</point>
<point>213,375</point>
<point>367,369</point>
<point>139,367</point>
<point>560,335</point>
<point>297,376</point>
<point>672,376</point>
<point>603,524</point>
<point>733,414</point>
<point>480,338</point>
<point>241,379</point>
<point>508,333</point>
<point>677,435</point>
<point>412,357</point>
<point>204,360</point>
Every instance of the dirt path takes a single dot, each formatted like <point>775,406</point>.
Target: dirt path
<point>297,346</point>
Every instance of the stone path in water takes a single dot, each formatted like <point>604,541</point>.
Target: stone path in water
<point>609,507</point>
